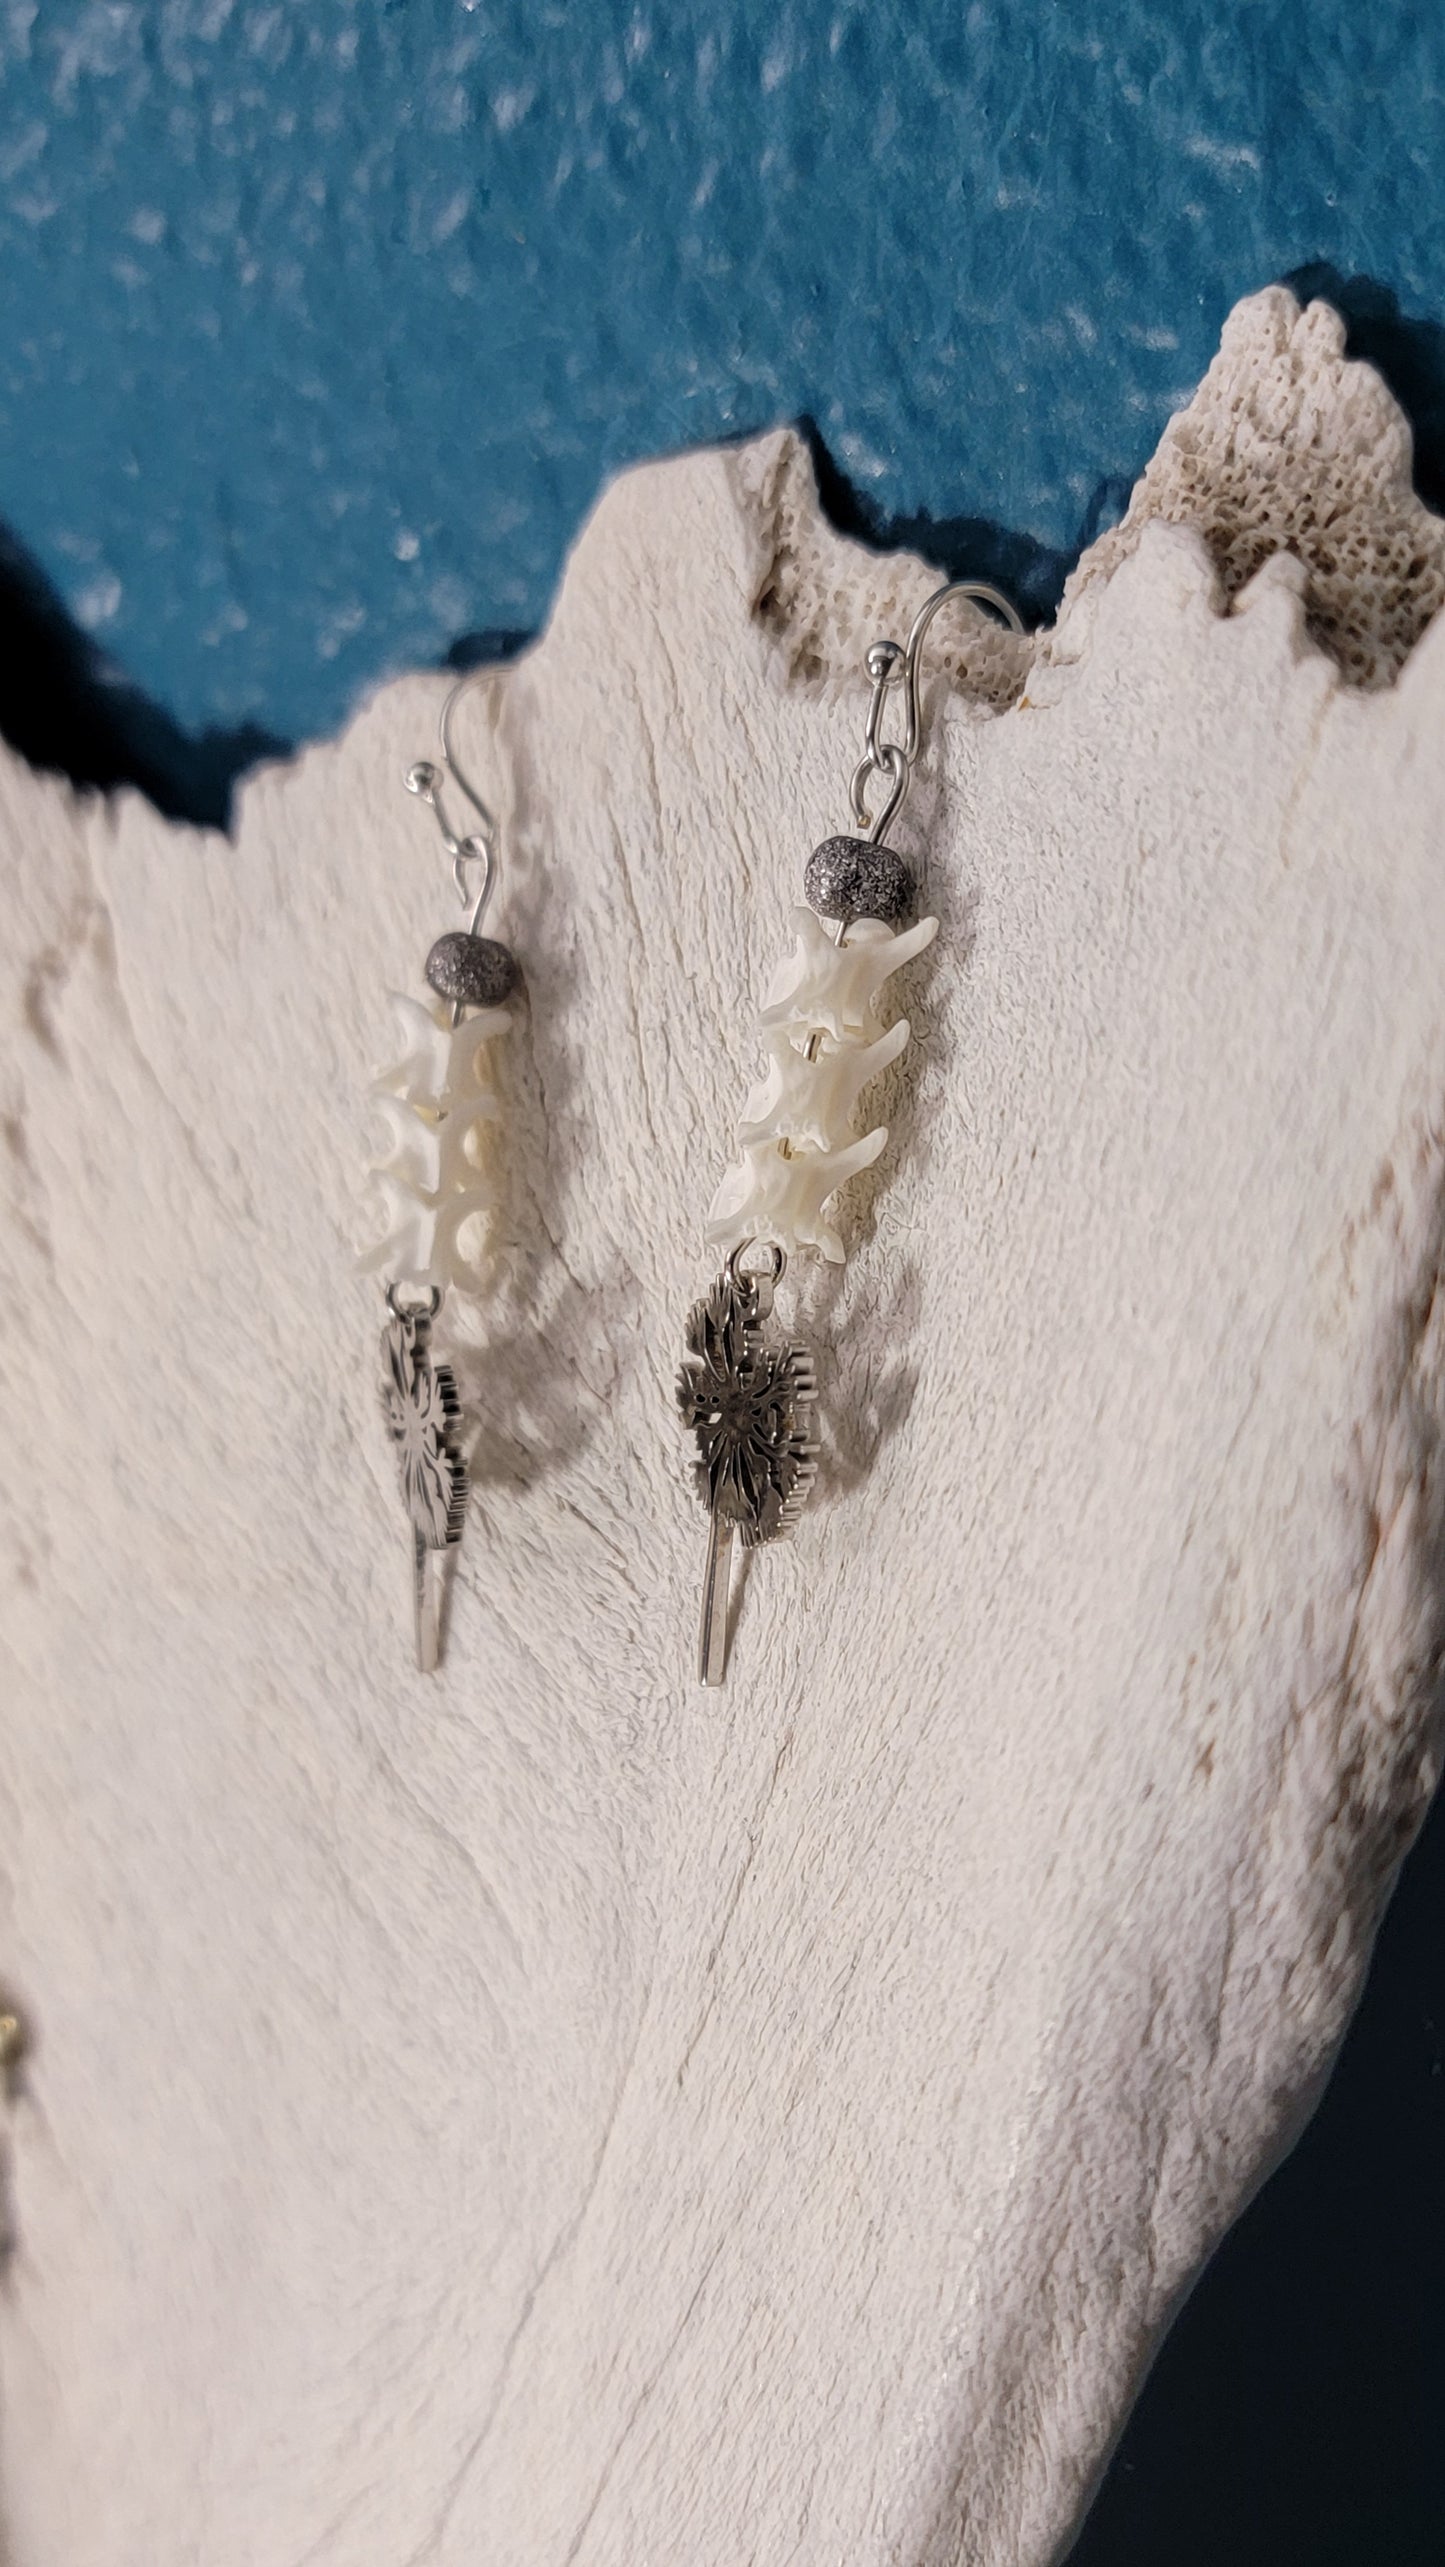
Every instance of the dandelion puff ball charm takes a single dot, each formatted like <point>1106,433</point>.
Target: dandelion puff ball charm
<point>435,1195</point>
<point>752,1405</point>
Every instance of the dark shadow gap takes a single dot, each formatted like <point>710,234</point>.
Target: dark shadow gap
<point>1410,355</point>
<point>67,708</point>
<point>1032,574</point>
<point>485,649</point>
<point>1293,2415</point>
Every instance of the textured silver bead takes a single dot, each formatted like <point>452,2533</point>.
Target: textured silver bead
<point>472,971</point>
<point>851,878</point>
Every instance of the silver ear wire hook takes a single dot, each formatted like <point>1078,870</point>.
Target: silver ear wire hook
<point>426,780</point>
<point>893,664</point>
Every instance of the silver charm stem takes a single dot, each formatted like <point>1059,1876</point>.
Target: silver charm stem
<point>712,1644</point>
<point>426,1605</point>
<point>422,1412</point>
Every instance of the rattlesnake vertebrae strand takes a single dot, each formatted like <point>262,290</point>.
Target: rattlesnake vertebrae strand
<point>434,1101</point>
<point>820,1035</point>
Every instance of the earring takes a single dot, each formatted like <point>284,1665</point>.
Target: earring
<point>751,1404</point>
<point>435,1186</point>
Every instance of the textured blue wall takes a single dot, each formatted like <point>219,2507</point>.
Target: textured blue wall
<point>323,323</point>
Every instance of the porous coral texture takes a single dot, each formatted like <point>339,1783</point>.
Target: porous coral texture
<point>823,605</point>
<point>1289,447</point>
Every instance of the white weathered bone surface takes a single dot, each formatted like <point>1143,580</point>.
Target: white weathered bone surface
<point>548,2114</point>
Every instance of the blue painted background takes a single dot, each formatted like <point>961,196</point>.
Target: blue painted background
<point>323,323</point>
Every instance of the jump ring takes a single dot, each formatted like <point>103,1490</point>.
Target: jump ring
<point>414,1310</point>
<point>777,1267</point>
